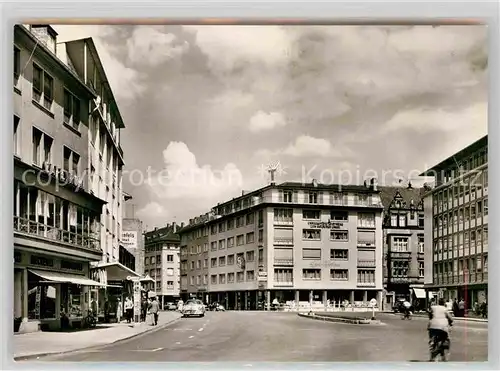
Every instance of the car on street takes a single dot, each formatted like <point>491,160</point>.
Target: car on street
<point>193,307</point>
<point>170,306</point>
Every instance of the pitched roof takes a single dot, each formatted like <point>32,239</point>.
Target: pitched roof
<point>388,195</point>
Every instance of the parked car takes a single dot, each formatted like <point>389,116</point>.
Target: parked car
<point>170,306</point>
<point>193,307</point>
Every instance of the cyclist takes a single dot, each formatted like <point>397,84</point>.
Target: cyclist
<point>439,322</point>
<point>406,309</point>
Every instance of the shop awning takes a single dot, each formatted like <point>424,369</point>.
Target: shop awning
<point>116,271</point>
<point>420,293</point>
<point>56,277</point>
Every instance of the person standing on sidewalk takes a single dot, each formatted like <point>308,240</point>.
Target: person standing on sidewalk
<point>155,309</point>
<point>129,307</point>
<point>119,310</point>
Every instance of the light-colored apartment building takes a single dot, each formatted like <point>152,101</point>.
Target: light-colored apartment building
<point>456,228</point>
<point>292,242</point>
<point>162,262</point>
<point>57,217</point>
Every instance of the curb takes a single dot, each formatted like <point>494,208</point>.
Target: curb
<point>461,319</point>
<point>147,332</point>
<point>341,320</point>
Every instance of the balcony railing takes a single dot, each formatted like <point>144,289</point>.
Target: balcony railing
<point>287,262</point>
<point>283,284</point>
<point>283,241</point>
<point>366,284</point>
<point>31,227</point>
<point>283,222</point>
<point>366,263</point>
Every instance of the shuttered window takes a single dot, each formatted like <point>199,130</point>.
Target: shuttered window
<point>311,253</point>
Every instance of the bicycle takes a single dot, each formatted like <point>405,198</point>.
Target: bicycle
<point>89,321</point>
<point>440,347</point>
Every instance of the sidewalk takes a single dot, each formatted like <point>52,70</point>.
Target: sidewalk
<point>469,319</point>
<point>41,343</point>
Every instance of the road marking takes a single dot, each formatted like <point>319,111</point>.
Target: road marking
<point>191,337</point>
<point>200,330</point>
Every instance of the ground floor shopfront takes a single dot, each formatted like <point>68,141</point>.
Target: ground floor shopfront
<point>470,294</point>
<point>413,293</point>
<point>294,299</point>
<point>51,292</point>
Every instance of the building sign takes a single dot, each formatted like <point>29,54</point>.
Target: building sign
<point>62,175</point>
<point>129,239</point>
<point>262,277</point>
<point>326,225</point>
<point>324,264</point>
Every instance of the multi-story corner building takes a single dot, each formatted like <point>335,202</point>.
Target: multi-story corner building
<point>456,228</point>
<point>293,242</point>
<point>194,255</point>
<point>403,230</point>
<point>162,262</point>
<point>57,217</point>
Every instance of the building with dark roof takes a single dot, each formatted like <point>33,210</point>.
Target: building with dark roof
<point>310,244</point>
<point>403,230</point>
<point>456,228</point>
<point>162,262</point>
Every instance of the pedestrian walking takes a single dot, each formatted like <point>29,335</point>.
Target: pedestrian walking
<point>129,307</point>
<point>154,310</point>
<point>461,308</point>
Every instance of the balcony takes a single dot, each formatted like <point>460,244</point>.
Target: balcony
<point>283,262</point>
<point>50,233</point>
<point>366,263</point>
<point>283,241</point>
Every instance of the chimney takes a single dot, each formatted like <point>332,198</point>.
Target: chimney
<point>373,183</point>
<point>315,183</point>
<point>242,193</point>
<point>46,34</point>
<point>174,227</point>
<point>182,224</point>
<point>156,228</point>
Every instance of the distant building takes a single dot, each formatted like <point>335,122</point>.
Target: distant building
<point>290,242</point>
<point>403,229</point>
<point>132,235</point>
<point>456,227</point>
<point>162,262</point>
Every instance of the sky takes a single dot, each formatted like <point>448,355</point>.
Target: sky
<point>208,108</point>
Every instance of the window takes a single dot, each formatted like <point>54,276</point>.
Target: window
<point>213,278</point>
<point>230,224</point>
<point>230,242</point>
<point>283,215</point>
<point>341,216</point>
<point>158,257</point>
<point>261,218</point>
<point>230,277</point>
<point>240,277</point>
<point>222,227</point>
<point>311,254</point>
<point>71,161</point>
<point>205,247</point>
<point>230,259</point>
<point>339,235</point>
<point>421,270</point>
<point>366,276</point>
<point>421,244</point>
<point>363,199</point>
<point>339,274</point>
<point>250,256</point>
<point>283,276</point>
<point>240,221</point>
<point>222,244</point>
<point>170,258</point>
<point>402,220</point>
<point>43,87</point>
<point>400,244</point>
<point>337,254</point>
<point>251,237</point>
<point>400,268</point>
<point>17,65</point>
<point>240,240</point>
<point>337,198</point>
<point>146,261</point>
<point>153,260</point>
<point>312,197</point>
<point>198,264</point>
<point>213,246</point>
<point>261,255</point>
<point>261,235</point>
<point>170,271</point>
<point>250,276</point>
<point>222,279</point>
<point>213,262</point>
<point>311,214</point>
<point>170,284</point>
<point>311,234</point>
<point>311,274</point>
<point>421,219</point>
<point>485,207</point>
<point>366,220</point>
<point>222,261</point>
<point>394,220</point>
<point>366,238</point>
<point>71,110</point>
<point>16,138</point>
<point>205,263</point>
<point>42,147</point>
<point>287,196</point>
<point>250,219</point>
<point>213,229</point>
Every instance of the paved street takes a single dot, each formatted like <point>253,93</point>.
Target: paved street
<point>285,337</point>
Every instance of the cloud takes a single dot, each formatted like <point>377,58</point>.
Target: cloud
<point>307,146</point>
<point>183,179</point>
<point>149,46</point>
<point>153,212</point>
<point>262,121</point>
